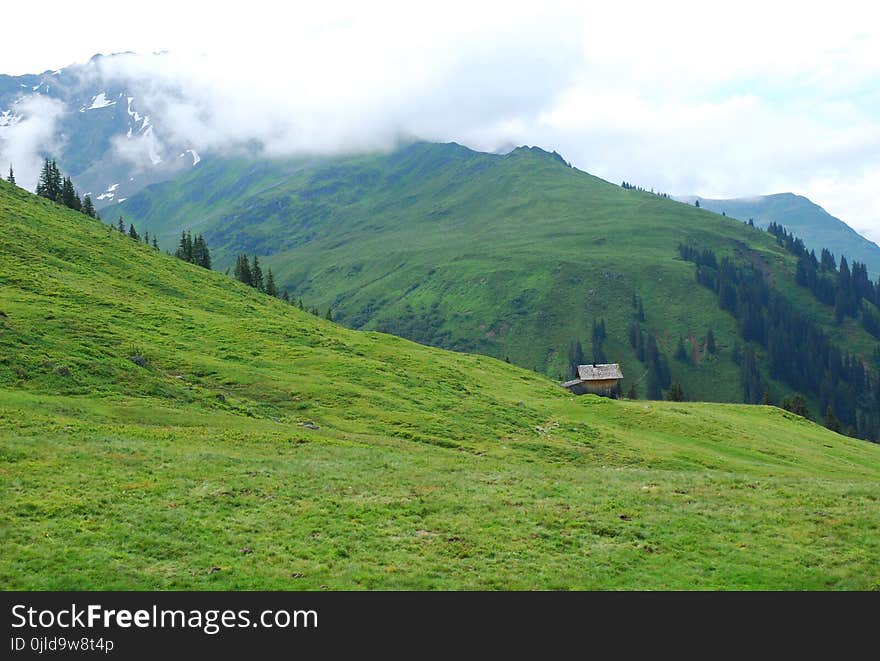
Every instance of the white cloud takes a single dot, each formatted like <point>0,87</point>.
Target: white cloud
<point>682,96</point>
<point>32,133</point>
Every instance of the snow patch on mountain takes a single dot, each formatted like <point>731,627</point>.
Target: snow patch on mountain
<point>110,193</point>
<point>134,114</point>
<point>100,101</point>
<point>7,118</point>
<point>192,152</point>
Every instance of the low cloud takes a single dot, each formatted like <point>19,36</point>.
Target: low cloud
<point>684,96</point>
<point>27,133</point>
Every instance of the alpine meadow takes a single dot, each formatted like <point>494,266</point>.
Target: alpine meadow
<point>197,434</point>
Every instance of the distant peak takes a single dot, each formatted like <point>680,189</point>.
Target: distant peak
<point>537,151</point>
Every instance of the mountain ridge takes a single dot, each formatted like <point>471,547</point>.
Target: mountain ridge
<point>806,219</point>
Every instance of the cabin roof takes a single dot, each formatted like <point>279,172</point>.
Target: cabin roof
<point>599,372</point>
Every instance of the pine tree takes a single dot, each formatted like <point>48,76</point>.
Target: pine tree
<point>69,198</point>
<point>575,357</point>
<point>329,315</point>
<point>88,208</point>
<point>710,342</point>
<point>675,393</point>
<point>132,233</point>
<point>831,421</point>
<point>654,390</point>
<point>155,243</point>
<point>45,180</point>
<point>257,275</point>
<point>147,238</point>
<point>243,270</point>
<point>53,181</point>
<point>285,296</point>
<point>11,177</point>
<point>200,253</point>
<point>185,247</point>
<point>120,225</point>
<point>681,353</point>
<point>799,406</point>
<point>271,289</point>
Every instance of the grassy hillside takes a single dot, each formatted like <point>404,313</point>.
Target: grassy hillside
<point>511,256</point>
<point>428,469</point>
<point>818,228</point>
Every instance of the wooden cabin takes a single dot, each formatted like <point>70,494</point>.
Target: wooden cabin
<point>602,379</point>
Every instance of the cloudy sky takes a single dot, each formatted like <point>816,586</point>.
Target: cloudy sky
<point>747,98</point>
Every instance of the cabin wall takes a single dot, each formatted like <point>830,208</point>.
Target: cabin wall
<point>601,386</point>
<point>606,387</point>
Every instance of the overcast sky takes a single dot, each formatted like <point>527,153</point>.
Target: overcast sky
<point>748,98</point>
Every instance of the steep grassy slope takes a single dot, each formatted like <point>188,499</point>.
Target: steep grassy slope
<point>429,469</point>
<point>818,228</point>
<point>511,256</point>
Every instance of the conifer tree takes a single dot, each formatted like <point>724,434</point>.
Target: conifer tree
<point>132,233</point>
<point>631,393</point>
<point>257,275</point>
<point>271,289</point>
<point>329,315</point>
<point>155,243</point>
<point>831,421</point>
<point>675,393</point>
<point>243,270</point>
<point>69,197</point>
<point>654,390</point>
<point>88,208</point>
<point>681,353</point>
<point>11,177</point>
<point>120,225</point>
<point>50,179</point>
<point>710,342</point>
<point>200,253</point>
<point>285,296</point>
<point>185,247</point>
<point>147,238</point>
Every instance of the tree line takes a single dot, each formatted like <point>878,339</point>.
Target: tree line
<point>59,188</point>
<point>132,233</point>
<point>250,273</point>
<point>799,353</point>
<point>848,289</point>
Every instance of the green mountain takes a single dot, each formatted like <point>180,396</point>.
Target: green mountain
<point>164,427</point>
<point>515,256</point>
<point>810,222</point>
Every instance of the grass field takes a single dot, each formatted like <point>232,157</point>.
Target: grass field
<point>428,469</point>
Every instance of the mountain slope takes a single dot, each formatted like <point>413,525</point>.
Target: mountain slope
<point>807,220</point>
<point>428,469</point>
<point>512,256</point>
